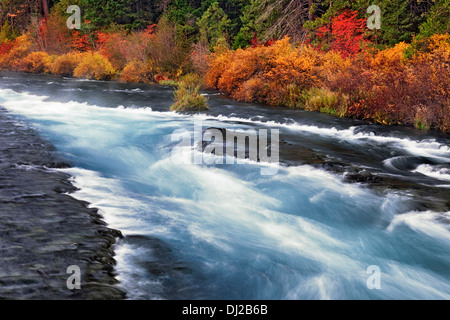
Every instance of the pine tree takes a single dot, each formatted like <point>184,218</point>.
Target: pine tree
<point>437,19</point>
<point>213,25</point>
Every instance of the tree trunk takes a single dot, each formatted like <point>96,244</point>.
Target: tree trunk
<point>45,7</point>
<point>310,14</point>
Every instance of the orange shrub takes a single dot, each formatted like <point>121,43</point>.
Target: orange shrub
<point>392,59</point>
<point>94,66</point>
<point>389,86</point>
<point>251,89</point>
<point>334,64</point>
<point>35,62</point>
<point>219,62</point>
<point>137,71</point>
<point>20,48</point>
<point>65,65</point>
<point>241,66</point>
<point>264,74</point>
<point>121,49</point>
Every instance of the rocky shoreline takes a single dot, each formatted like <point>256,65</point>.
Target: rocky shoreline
<point>43,230</point>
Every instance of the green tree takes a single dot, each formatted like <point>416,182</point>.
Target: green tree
<point>213,25</point>
<point>437,19</point>
<point>250,25</point>
<point>102,13</point>
<point>7,32</point>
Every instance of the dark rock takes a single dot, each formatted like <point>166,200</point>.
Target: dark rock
<point>43,230</point>
<point>362,177</point>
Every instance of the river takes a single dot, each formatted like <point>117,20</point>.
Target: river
<point>346,195</point>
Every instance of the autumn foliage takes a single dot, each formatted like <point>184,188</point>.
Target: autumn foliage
<point>93,65</point>
<point>337,71</point>
<point>345,34</point>
<point>65,64</point>
<point>15,52</point>
<point>399,85</point>
<point>35,62</point>
<point>137,71</point>
<point>267,74</point>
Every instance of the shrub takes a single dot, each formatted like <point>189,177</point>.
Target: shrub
<point>333,65</point>
<point>200,58</point>
<point>188,98</point>
<point>253,89</point>
<point>52,35</point>
<point>94,66</point>
<point>192,79</point>
<point>422,118</point>
<point>170,50</point>
<point>219,62</point>
<point>393,58</point>
<point>65,65</point>
<point>5,48</point>
<point>121,49</point>
<point>137,71</point>
<point>264,74</point>
<point>35,62</point>
<point>405,84</point>
<point>16,51</point>
<point>323,100</point>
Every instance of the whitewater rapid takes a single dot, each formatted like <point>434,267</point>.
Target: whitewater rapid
<point>227,232</point>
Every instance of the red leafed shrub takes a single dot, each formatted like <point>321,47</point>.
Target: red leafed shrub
<point>344,34</point>
<point>150,30</point>
<point>160,77</point>
<point>256,43</point>
<point>52,34</point>
<point>348,33</point>
<point>6,47</point>
<point>80,42</point>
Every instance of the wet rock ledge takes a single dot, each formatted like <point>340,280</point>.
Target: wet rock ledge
<point>43,231</point>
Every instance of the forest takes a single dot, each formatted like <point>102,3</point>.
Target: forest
<point>317,55</point>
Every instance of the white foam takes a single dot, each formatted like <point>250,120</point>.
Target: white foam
<point>425,222</point>
<point>429,148</point>
<point>430,171</point>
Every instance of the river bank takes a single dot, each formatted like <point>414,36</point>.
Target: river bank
<point>43,230</point>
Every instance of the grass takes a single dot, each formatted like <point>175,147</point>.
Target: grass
<point>188,98</point>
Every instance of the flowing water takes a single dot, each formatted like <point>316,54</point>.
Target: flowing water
<point>347,195</point>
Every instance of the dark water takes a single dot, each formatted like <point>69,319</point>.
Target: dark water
<point>347,195</point>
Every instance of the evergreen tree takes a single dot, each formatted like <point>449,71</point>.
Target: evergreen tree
<point>250,25</point>
<point>437,19</point>
<point>213,25</point>
<point>104,13</point>
<point>7,32</point>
